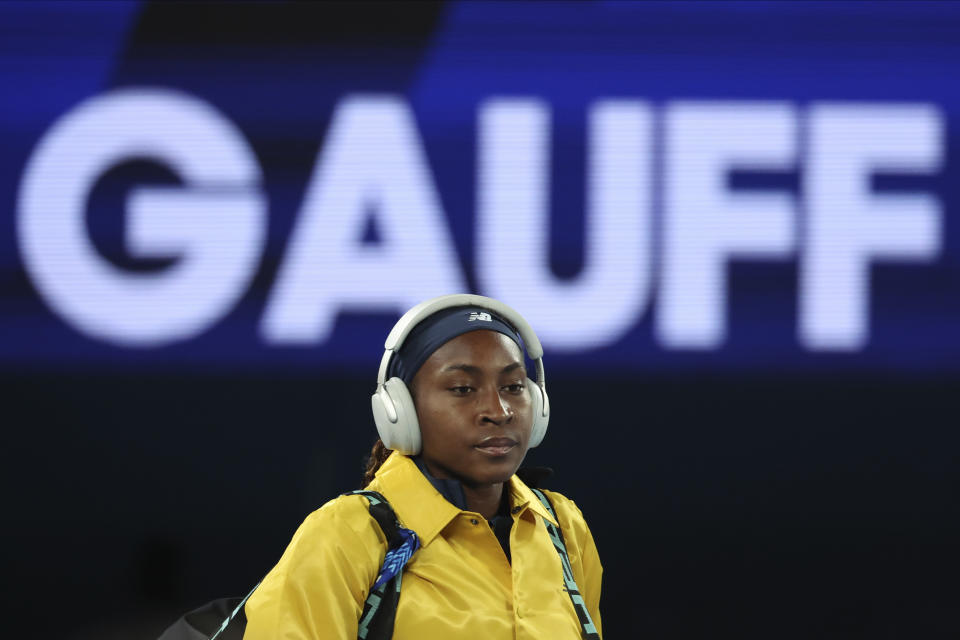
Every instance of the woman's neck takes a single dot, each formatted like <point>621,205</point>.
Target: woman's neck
<point>484,499</point>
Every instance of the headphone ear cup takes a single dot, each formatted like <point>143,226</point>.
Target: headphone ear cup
<point>403,435</point>
<point>538,400</point>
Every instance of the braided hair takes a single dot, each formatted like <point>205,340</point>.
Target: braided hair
<point>378,455</point>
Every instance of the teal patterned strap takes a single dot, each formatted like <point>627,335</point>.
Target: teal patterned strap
<point>587,629</point>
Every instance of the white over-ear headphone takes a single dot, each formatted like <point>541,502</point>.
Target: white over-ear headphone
<point>393,409</point>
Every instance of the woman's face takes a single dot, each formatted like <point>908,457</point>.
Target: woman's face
<point>474,408</point>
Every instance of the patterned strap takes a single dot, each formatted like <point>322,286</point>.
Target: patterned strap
<point>587,629</point>
<point>380,608</point>
<point>376,621</point>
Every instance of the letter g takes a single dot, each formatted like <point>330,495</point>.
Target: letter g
<point>215,225</point>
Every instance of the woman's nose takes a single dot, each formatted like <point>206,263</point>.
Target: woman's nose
<point>494,407</point>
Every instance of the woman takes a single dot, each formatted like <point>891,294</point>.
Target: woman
<point>454,402</point>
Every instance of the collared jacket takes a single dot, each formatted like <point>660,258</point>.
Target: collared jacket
<point>459,584</point>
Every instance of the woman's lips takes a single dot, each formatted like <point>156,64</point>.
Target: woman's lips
<point>496,446</point>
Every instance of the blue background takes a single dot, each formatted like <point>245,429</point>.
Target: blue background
<point>278,84</point>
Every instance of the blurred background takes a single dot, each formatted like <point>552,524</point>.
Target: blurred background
<point>731,224</point>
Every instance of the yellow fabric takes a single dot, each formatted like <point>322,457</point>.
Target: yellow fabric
<point>458,585</point>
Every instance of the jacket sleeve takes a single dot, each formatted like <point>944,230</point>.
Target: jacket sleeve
<point>318,588</point>
<point>584,559</point>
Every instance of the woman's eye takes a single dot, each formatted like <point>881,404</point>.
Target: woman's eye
<point>516,387</point>
<point>461,390</point>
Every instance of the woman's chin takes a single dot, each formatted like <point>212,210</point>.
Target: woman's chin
<point>494,472</point>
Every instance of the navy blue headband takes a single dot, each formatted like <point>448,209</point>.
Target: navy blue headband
<point>438,329</point>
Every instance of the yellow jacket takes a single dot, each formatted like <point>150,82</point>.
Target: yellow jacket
<point>457,585</point>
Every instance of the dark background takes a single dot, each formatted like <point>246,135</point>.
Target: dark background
<point>799,497</point>
<point>797,508</point>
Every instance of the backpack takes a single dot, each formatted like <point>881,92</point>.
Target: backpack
<point>224,619</point>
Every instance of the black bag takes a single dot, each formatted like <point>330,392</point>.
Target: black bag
<point>224,619</point>
<point>203,622</point>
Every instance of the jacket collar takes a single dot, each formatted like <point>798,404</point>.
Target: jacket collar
<point>421,507</point>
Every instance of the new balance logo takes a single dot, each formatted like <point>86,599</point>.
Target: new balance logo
<point>481,315</point>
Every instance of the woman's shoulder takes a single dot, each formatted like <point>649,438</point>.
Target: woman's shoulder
<point>577,536</point>
<point>566,509</point>
<point>572,523</point>
<point>344,522</point>
<point>326,570</point>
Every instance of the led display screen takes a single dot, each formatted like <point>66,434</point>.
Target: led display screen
<point>652,194</point>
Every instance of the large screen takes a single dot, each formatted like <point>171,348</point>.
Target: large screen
<point>654,186</point>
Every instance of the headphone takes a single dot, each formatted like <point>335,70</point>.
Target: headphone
<point>393,409</point>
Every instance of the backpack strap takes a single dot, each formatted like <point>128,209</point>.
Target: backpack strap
<point>376,622</point>
<point>587,629</point>
<point>380,609</point>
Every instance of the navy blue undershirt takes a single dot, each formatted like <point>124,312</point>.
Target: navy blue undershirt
<point>452,491</point>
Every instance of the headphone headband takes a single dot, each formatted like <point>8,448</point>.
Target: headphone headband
<point>427,308</point>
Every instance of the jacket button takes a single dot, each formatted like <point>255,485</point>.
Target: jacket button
<point>474,521</point>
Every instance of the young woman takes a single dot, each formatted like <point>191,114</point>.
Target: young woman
<point>456,407</point>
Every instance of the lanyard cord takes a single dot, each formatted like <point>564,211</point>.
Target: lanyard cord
<point>587,629</point>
